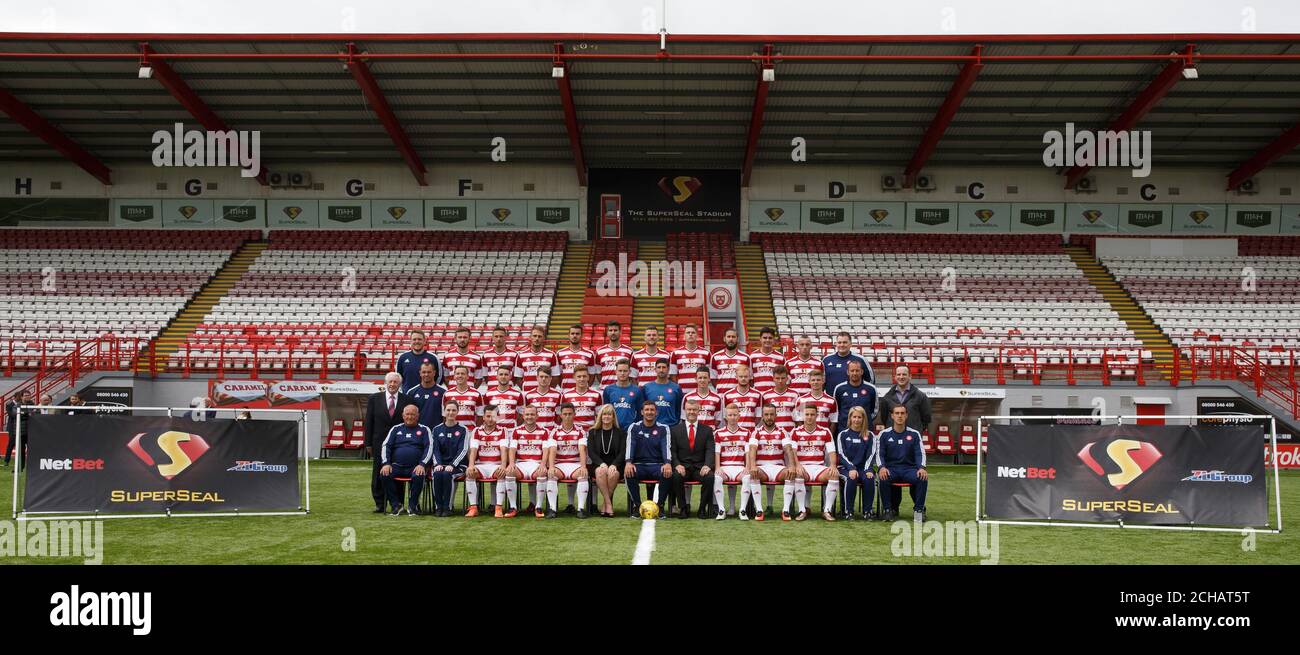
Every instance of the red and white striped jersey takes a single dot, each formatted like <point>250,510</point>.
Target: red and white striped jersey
<point>571,360</point>
<point>711,413</point>
<point>529,445</point>
<point>731,446</point>
<point>762,364</point>
<point>643,364</point>
<point>607,358</point>
<point>469,404</point>
<point>786,403</point>
<point>584,406</point>
<point>811,447</point>
<point>827,408</point>
<point>529,361</point>
<point>547,404</point>
<point>724,369</point>
<point>770,444</point>
<point>509,403</point>
<point>566,444</point>
<point>493,360</point>
<point>751,406</point>
<point>492,446</point>
<point>799,370</point>
<point>682,364</point>
<point>471,360</point>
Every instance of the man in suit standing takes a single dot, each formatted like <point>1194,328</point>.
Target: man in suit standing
<point>383,411</point>
<point>693,459</point>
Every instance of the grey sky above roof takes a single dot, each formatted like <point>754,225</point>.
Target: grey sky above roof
<point>682,16</point>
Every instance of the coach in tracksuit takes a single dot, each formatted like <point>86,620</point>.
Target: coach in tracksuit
<point>405,454</point>
<point>855,448</point>
<point>856,391</point>
<point>901,458</point>
<point>450,450</point>
<point>649,456</point>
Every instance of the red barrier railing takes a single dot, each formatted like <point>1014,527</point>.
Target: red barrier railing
<point>54,372</point>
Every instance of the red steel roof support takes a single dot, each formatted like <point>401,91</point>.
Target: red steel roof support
<point>1267,155</point>
<point>36,124</point>
<point>1142,104</point>
<point>163,72</point>
<point>375,96</point>
<point>756,116</point>
<point>570,115</point>
<point>969,71</point>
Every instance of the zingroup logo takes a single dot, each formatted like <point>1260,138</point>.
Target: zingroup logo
<point>1131,457</point>
<point>292,212</point>
<point>188,211</point>
<point>245,466</point>
<point>181,448</point>
<point>501,213</point>
<point>774,213</point>
<point>984,215</point>
<point>878,215</point>
<point>679,188</point>
<point>1092,215</point>
<point>1218,476</point>
<point>1198,215</point>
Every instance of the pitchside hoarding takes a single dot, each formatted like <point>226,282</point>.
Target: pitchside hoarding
<point>1140,474</point>
<point>125,464</point>
<point>263,394</point>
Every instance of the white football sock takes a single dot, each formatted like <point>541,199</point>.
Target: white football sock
<point>832,490</point>
<point>801,494</point>
<point>512,492</point>
<point>471,490</point>
<point>718,491</point>
<point>788,492</point>
<point>552,493</point>
<point>584,490</point>
<point>500,489</point>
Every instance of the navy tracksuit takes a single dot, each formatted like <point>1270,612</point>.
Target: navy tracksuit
<point>450,448</point>
<point>648,449</point>
<point>409,363</point>
<point>855,452</point>
<point>405,448</point>
<point>848,396</point>
<point>429,401</point>
<point>902,454</point>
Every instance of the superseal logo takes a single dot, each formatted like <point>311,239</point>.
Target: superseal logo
<point>1121,461</point>
<point>180,449</point>
<point>246,466</point>
<point>75,608</point>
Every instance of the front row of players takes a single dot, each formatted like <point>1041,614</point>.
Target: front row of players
<point>530,453</point>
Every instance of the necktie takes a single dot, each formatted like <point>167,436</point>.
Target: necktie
<point>690,434</point>
<point>392,405</point>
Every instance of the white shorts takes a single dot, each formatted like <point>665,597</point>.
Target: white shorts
<point>773,471</point>
<point>731,473</point>
<point>568,469</point>
<point>528,469</point>
<point>485,471</point>
<point>814,470</point>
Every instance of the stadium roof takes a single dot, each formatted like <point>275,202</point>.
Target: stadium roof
<point>902,101</point>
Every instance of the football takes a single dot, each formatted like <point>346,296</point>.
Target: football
<point>649,510</point>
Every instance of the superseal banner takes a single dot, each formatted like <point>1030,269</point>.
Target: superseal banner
<point>126,464</point>
<point>1141,474</point>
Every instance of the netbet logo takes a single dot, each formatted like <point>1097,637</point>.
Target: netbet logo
<point>71,464</point>
<point>1026,473</point>
<point>1131,457</point>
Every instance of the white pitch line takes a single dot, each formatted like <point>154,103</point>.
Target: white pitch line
<point>645,544</point>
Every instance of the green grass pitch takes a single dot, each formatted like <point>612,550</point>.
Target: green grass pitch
<point>342,530</point>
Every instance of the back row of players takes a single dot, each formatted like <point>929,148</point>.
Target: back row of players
<point>615,374</point>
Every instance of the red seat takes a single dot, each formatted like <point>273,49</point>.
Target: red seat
<point>943,442</point>
<point>967,440</point>
<point>927,443</point>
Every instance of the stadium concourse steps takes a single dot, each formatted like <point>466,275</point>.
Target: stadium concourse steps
<point>346,297</point>
<point>129,283</point>
<point>1015,299</point>
<point>1251,300</point>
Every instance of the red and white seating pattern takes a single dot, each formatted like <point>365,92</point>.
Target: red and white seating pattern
<point>361,291</point>
<point>912,291</point>
<point>1247,300</point>
<point>65,285</point>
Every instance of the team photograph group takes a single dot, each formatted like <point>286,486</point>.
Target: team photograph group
<point>665,420</point>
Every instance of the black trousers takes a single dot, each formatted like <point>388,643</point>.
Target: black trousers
<point>376,483</point>
<point>692,475</point>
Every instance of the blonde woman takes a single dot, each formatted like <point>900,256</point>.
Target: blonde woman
<point>606,450</point>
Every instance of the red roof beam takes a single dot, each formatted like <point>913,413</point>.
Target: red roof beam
<point>379,104</point>
<point>1260,160</point>
<point>756,114</point>
<point>943,118</point>
<point>37,125</point>
<point>570,115</point>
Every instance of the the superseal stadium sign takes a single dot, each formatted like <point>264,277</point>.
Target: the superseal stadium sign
<point>655,202</point>
<point>1140,474</point>
<point>125,464</point>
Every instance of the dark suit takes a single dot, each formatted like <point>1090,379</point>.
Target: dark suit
<point>693,459</point>
<point>377,423</point>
